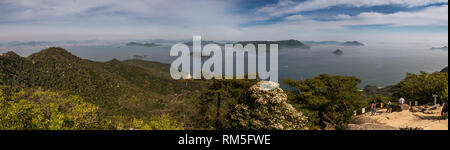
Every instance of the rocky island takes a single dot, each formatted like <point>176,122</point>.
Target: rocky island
<point>444,48</point>
<point>205,43</point>
<point>281,44</point>
<point>338,52</point>
<point>352,43</point>
<point>142,44</point>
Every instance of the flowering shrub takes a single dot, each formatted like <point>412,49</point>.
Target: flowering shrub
<point>267,109</point>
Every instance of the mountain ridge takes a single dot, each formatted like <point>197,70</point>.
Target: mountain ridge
<point>283,43</point>
<point>117,87</point>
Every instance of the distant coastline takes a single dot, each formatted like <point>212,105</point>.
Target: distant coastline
<point>142,44</point>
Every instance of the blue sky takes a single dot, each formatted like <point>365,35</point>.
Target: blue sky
<point>394,20</point>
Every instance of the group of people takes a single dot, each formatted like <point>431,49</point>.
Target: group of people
<point>373,107</point>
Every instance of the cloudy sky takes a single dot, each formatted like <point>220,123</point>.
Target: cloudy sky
<point>372,21</point>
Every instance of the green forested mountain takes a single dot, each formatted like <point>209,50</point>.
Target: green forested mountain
<point>118,88</point>
<point>126,92</point>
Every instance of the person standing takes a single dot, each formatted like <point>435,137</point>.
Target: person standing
<point>388,107</point>
<point>372,107</point>
<point>444,110</point>
<point>401,101</point>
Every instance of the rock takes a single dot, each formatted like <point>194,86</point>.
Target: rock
<point>422,108</point>
<point>367,123</point>
<point>428,112</point>
<point>417,109</point>
<point>370,126</point>
<point>432,112</point>
<point>401,108</point>
<point>363,120</point>
<point>434,107</point>
<point>338,52</point>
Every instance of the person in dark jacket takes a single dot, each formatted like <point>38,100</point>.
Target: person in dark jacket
<point>444,109</point>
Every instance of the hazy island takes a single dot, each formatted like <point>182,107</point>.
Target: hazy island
<point>282,44</point>
<point>352,43</point>
<point>445,69</point>
<point>205,43</point>
<point>348,43</point>
<point>142,44</point>
<point>445,48</point>
<point>338,52</point>
<point>323,42</point>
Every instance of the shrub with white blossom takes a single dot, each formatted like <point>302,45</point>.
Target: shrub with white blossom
<point>266,108</point>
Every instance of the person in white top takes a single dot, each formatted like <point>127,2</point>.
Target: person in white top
<point>401,101</point>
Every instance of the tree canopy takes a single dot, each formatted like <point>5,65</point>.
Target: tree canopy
<point>421,87</point>
<point>329,101</point>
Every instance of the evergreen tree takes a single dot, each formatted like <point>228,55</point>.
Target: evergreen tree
<point>329,101</point>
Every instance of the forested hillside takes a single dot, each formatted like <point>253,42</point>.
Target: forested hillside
<point>118,88</point>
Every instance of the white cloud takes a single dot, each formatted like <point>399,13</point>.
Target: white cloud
<point>295,17</point>
<point>213,19</point>
<point>430,16</point>
<point>304,28</point>
<point>284,7</point>
<point>139,17</point>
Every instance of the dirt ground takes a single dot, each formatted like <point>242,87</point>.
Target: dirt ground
<point>408,119</point>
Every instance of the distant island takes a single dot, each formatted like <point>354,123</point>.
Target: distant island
<point>323,42</point>
<point>284,44</point>
<point>338,52</point>
<point>139,57</point>
<point>445,69</point>
<point>142,44</point>
<point>352,43</point>
<point>204,43</point>
<point>348,43</point>
<point>445,48</point>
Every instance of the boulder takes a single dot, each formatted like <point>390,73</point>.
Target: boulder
<point>401,108</point>
<point>415,109</point>
<point>432,112</point>
<point>434,107</point>
<point>363,120</point>
<point>418,109</point>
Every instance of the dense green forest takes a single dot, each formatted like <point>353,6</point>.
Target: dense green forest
<point>122,90</point>
<point>55,90</point>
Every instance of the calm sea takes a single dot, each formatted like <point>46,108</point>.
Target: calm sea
<point>379,65</point>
